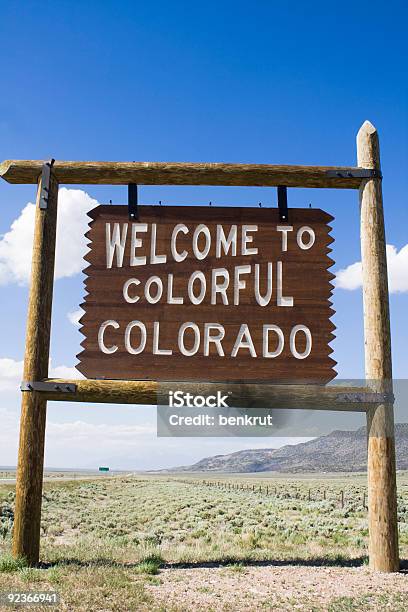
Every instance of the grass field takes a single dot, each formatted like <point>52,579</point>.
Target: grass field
<point>158,542</point>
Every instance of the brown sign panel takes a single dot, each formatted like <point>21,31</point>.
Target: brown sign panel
<point>208,294</point>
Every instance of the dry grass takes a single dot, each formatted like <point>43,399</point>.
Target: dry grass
<point>118,543</point>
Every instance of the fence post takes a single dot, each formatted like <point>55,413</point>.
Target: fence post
<point>382,490</point>
<point>29,480</point>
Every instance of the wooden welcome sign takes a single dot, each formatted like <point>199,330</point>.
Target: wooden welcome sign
<point>205,293</point>
<point>210,294</point>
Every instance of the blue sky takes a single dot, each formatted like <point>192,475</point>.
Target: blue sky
<point>267,83</point>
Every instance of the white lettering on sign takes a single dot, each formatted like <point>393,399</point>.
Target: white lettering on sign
<point>201,243</point>
<point>129,299</point>
<point>204,231</point>
<point>115,244</point>
<point>263,300</point>
<point>194,299</point>
<point>143,336</point>
<point>226,243</point>
<point>136,243</point>
<point>310,241</point>
<point>196,345</point>
<point>282,301</point>
<point>101,332</point>
<point>214,338</point>
<point>243,341</point>
<point>171,299</point>
<point>248,239</point>
<point>154,258</point>
<point>284,229</point>
<point>281,341</point>
<point>239,284</point>
<point>180,227</point>
<point>191,339</point>
<point>308,336</point>
<point>219,286</point>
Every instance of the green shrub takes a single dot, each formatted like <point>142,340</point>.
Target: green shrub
<point>150,564</point>
<point>10,564</point>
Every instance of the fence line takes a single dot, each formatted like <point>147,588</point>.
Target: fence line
<point>318,495</point>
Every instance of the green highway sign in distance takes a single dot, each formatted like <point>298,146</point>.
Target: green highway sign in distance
<point>104,469</point>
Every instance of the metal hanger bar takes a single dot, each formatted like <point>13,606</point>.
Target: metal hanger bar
<point>133,202</point>
<point>283,204</point>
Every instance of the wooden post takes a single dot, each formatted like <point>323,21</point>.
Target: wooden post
<point>382,492</point>
<point>26,540</point>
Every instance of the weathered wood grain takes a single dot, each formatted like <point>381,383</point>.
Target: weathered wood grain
<point>141,392</point>
<point>305,277</point>
<point>26,531</point>
<point>178,173</point>
<point>382,496</point>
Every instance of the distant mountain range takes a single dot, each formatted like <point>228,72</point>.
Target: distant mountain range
<point>339,451</point>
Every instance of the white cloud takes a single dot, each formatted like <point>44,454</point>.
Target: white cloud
<point>16,244</point>
<point>74,316</point>
<point>63,371</point>
<point>11,373</point>
<point>397,261</point>
<point>8,436</point>
<point>78,443</point>
<point>81,434</point>
<point>349,278</point>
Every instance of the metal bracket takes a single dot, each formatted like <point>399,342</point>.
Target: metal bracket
<point>365,398</point>
<point>45,183</point>
<point>48,387</point>
<point>132,202</point>
<point>364,173</point>
<point>283,203</point>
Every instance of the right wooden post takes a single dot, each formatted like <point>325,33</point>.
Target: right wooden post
<point>382,489</point>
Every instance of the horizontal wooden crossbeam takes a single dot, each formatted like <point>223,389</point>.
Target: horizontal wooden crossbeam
<point>166,173</point>
<point>310,397</point>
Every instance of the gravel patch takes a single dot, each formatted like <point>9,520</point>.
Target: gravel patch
<point>238,588</point>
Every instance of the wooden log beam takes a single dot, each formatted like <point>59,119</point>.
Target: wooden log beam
<point>166,173</point>
<point>382,488</point>
<point>27,518</point>
<point>107,391</point>
<point>310,397</point>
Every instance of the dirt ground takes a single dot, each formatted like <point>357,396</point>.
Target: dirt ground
<point>238,588</point>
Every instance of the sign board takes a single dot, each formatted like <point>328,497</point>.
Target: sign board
<point>104,469</point>
<point>208,294</point>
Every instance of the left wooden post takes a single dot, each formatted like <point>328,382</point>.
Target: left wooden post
<point>27,519</point>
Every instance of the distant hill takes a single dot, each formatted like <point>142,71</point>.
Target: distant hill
<point>339,451</point>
